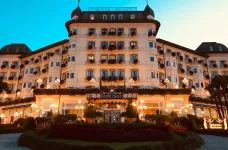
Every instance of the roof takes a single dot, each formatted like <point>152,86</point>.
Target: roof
<point>46,48</point>
<point>212,47</point>
<point>181,47</point>
<point>113,21</point>
<point>15,49</point>
<point>139,15</point>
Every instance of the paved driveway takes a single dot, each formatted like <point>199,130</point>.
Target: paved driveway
<point>9,142</point>
<point>214,142</point>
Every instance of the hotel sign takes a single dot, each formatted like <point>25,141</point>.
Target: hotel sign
<point>114,95</point>
<point>215,124</point>
<point>112,9</point>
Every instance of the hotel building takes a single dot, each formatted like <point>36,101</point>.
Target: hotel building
<point>110,56</point>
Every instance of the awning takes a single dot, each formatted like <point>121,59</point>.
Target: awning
<point>19,106</point>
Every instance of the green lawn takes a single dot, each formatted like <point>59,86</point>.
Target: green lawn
<point>116,146</point>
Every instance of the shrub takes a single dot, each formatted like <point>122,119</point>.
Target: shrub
<point>131,111</point>
<point>29,123</point>
<point>19,121</point>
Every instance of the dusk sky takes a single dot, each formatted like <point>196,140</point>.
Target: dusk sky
<point>39,23</point>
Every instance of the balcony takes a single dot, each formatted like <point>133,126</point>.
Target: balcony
<point>91,61</point>
<point>224,66</point>
<point>90,47</point>
<point>13,67</point>
<point>65,51</point>
<point>132,34</point>
<point>160,52</point>
<point>63,66</point>
<point>112,47</point>
<point>4,67</point>
<point>44,71</point>
<point>133,47</point>
<point>161,65</point>
<point>37,61</point>
<point>62,82</point>
<point>12,78</point>
<point>72,33</point>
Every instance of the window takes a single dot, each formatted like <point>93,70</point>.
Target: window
<point>73,58</point>
<point>174,79</point>
<point>90,73</point>
<point>212,63</point>
<point>112,17</point>
<point>152,75</point>
<point>104,57</point>
<point>152,58</point>
<point>11,87</point>
<point>195,70</point>
<point>29,84</point>
<point>52,64</point>
<point>167,63</point>
<point>91,57</point>
<point>92,17</point>
<point>104,73</point>
<point>71,75</point>
<point>120,57</point>
<point>50,78</point>
<point>120,17</point>
<point>31,70</point>
<point>151,44</point>
<point>120,73</point>
<point>112,73</point>
<point>222,63</point>
<point>57,63</point>
<point>211,48</point>
<point>132,17</point>
<point>200,71</point>
<point>213,74</point>
<point>105,17</point>
<point>197,85</point>
<point>173,64</point>
<point>73,45</point>
<point>202,85</point>
<point>134,73</point>
<point>134,57</point>
<point>26,71</point>
<point>24,85</point>
<point>220,48</point>
<point>17,49</point>
<point>169,78</point>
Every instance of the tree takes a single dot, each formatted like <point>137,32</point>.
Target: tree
<point>3,86</point>
<point>218,89</point>
<point>90,110</point>
<point>131,111</point>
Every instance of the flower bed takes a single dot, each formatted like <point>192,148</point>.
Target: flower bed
<point>115,133</point>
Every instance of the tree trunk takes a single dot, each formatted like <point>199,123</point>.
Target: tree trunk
<point>220,102</point>
<point>217,106</point>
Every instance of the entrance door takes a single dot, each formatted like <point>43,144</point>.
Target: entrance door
<point>112,116</point>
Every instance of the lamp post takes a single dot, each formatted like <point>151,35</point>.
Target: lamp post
<point>131,81</point>
<point>142,107</point>
<point>57,81</point>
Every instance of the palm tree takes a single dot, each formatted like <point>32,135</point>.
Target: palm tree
<point>218,90</point>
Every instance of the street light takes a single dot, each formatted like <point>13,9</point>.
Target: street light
<point>92,80</point>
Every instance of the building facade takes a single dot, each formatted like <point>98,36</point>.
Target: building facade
<point>110,56</point>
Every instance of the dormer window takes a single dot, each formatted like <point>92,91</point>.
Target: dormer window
<point>150,17</point>
<point>120,17</point>
<point>105,17</point>
<point>112,17</point>
<point>211,49</point>
<point>220,48</point>
<point>132,17</point>
<point>75,18</point>
<point>92,17</point>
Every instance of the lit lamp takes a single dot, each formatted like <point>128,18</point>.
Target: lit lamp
<point>185,80</point>
<point>177,87</point>
<point>92,80</point>
<point>2,115</point>
<point>166,80</point>
<point>5,95</point>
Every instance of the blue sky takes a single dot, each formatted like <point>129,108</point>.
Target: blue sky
<point>38,23</point>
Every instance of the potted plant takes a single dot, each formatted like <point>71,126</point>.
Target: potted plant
<point>131,112</point>
<point>90,112</point>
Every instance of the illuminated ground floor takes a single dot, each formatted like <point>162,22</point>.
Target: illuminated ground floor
<point>111,105</point>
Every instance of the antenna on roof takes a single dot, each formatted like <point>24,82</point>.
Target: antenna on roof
<point>78,2</point>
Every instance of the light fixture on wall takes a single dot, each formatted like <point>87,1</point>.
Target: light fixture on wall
<point>185,80</point>
<point>2,115</point>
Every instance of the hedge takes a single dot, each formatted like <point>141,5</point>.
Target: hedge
<point>115,132</point>
<point>191,142</point>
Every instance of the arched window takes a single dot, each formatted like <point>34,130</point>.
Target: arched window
<point>112,31</point>
<point>134,73</point>
<point>112,17</point>
<point>104,31</point>
<point>121,73</point>
<point>120,17</point>
<point>90,73</point>
<point>104,73</point>
<point>132,17</point>
<point>112,57</point>
<point>112,73</point>
<point>92,17</point>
